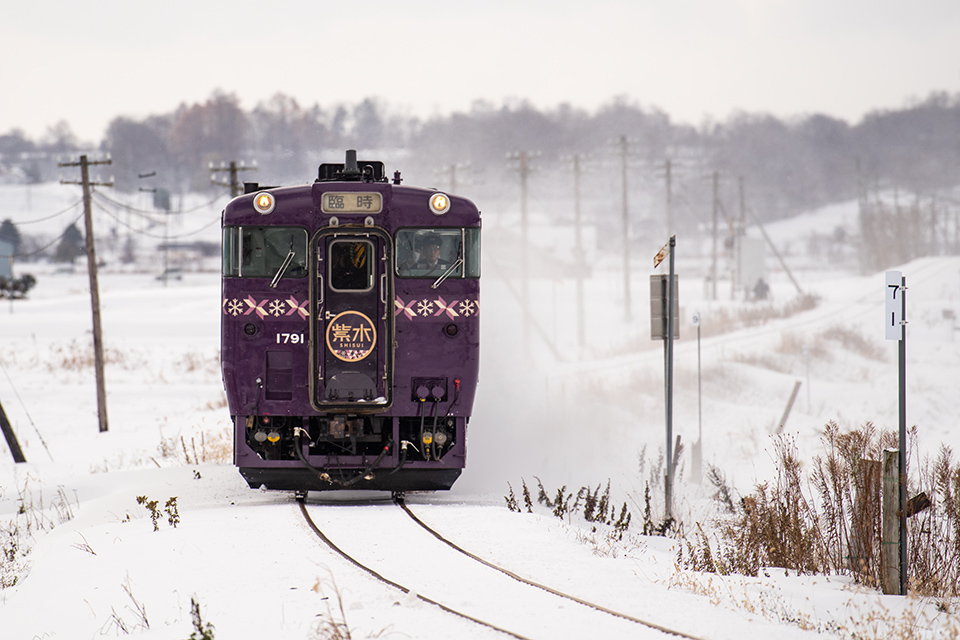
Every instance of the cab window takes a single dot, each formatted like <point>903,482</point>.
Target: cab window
<point>265,252</point>
<point>430,253</point>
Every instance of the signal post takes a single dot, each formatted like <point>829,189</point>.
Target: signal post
<point>664,325</point>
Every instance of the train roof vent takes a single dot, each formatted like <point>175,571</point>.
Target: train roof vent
<point>352,170</point>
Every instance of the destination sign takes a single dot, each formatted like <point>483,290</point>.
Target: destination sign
<point>351,202</point>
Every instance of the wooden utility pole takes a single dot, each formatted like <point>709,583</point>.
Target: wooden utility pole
<point>85,182</point>
<point>626,229</point>
<point>233,169</point>
<point>451,171</point>
<point>524,169</point>
<point>524,219</point>
<point>11,437</point>
<point>716,211</point>
<point>580,263</point>
<point>741,230</point>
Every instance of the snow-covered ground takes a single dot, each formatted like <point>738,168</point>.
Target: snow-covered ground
<point>89,561</point>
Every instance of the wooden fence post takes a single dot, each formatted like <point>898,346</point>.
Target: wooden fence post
<point>865,518</point>
<point>890,537</point>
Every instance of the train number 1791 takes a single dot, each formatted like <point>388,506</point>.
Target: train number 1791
<point>290,338</point>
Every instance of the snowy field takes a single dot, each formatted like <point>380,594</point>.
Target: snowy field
<point>89,562</point>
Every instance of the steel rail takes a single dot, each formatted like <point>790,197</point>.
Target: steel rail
<point>313,526</point>
<point>652,625</point>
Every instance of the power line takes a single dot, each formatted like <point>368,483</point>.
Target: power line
<point>51,217</point>
<point>154,236</point>
<point>29,417</point>
<point>51,243</point>
<point>144,212</point>
<point>126,207</point>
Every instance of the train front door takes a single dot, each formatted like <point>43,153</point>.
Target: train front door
<point>353,336</point>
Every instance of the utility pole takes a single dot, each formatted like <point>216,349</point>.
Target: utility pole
<point>85,182</point>
<point>578,248</point>
<point>626,229</point>
<point>166,224</point>
<point>524,169</point>
<point>740,228</point>
<point>524,217</point>
<point>451,170</point>
<point>716,216</point>
<point>236,187</point>
<point>12,443</point>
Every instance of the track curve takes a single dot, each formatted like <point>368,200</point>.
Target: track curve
<point>313,526</point>
<point>532,583</point>
<point>520,608</point>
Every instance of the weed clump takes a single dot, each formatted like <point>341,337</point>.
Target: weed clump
<point>170,508</point>
<point>201,631</point>
<point>836,528</point>
<point>592,505</point>
<point>32,515</point>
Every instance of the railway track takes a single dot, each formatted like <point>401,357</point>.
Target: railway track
<point>512,605</point>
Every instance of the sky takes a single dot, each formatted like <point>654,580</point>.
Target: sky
<point>87,63</point>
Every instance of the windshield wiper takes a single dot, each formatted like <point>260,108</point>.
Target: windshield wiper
<point>283,268</point>
<point>456,263</point>
<point>446,274</point>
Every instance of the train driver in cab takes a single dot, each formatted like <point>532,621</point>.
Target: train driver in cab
<point>430,255</point>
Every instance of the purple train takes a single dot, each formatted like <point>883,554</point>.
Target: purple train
<point>350,331</point>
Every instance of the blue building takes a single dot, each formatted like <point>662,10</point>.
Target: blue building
<point>6,258</point>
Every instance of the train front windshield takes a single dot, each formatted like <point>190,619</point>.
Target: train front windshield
<point>265,252</point>
<point>428,253</point>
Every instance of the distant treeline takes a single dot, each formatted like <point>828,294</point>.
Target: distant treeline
<point>786,165</point>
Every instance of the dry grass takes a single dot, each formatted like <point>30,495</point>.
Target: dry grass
<point>78,355</point>
<point>209,446</point>
<point>855,342</point>
<point>332,624</point>
<point>191,361</point>
<point>726,320</point>
<point>720,321</point>
<point>608,524</point>
<point>33,515</point>
<point>836,528</point>
<point>934,534</point>
<point>764,360</point>
<point>917,619</point>
<point>771,527</point>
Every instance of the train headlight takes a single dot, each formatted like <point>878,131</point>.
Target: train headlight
<point>264,203</point>
<point>439,203</point>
